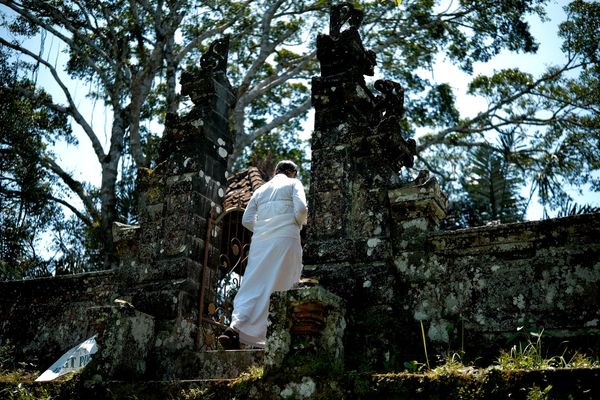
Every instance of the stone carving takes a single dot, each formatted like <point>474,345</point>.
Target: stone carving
<point>423,179</point>
<point>212,95</point>
<point>342,13</point>
<point>342,54</point>
<point>340,95</point>
<point>357,147</point>
<point>391,101</point>
<point>215,59</point>
<point>389,110</point>
<point>199,86</point>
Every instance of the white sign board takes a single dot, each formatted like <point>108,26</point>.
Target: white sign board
<point>73,360</point>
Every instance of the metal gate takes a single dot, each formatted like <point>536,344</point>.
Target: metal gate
<point>225,259</point>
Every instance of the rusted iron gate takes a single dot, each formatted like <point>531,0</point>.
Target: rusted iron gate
<point>222,270</point>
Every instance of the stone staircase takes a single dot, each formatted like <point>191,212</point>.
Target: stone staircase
<point>219,364</point>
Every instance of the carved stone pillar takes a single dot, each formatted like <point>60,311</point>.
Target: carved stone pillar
<point>305,323</point>
<point>357,150</point>
<point>357,153</point>
<point>417,210</point>
<point>176,199</point>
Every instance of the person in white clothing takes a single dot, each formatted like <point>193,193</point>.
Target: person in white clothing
<point>275,214</point>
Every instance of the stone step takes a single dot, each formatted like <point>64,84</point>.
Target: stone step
<point>220,364</point>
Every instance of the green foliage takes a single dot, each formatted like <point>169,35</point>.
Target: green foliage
<point>570,208</point>
<point>31,217</point>
<point>249,376</point>
<point>552,118</point>
<point>21,392</point>
<point>26,208</point>
<point>414,366</point>
<point>128,56</point>
<point>77,247</point>
<point>530,356</point>
<point>489,186</point>
<point>452,365</point>
<point>536,393</point>
<point>266,151</point>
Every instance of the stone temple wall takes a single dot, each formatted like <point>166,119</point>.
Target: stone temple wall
<point>160,277</point>
<point>372,245</point>
<point>475,290</point>
<point>373,241</point>
<point>44,317</point>
<point>488,284</point>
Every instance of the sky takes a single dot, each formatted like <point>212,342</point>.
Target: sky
<point>549,53</point>
<point>83,164</point>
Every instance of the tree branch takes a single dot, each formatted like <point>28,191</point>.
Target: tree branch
<point>142,81</point>
<point>72,109</point>
<point>266,47</point>
<point>465,127</point>
<point>69,41</point>
<point>245,140</point>
<point>74,185</point>
<point>275,80</point>
<point>75,211</point>
<point>195,42</point>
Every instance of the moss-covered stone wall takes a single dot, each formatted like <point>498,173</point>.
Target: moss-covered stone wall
<point>42,318</point>
<point>160,273</point>
<point>494,283</point>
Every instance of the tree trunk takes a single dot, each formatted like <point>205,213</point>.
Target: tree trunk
<point>108,213</point>
<point>171,74</point>
<point>108,197</point>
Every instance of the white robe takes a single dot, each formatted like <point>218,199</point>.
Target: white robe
<point>275,215</point>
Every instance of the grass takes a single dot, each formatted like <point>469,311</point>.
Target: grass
<point>452,365</point>
<point>20,392</point>
<point>536,393</point>
<point>531,357</point>
<point>424,344</point>
<point>521,356</point>
<point>12,371</point>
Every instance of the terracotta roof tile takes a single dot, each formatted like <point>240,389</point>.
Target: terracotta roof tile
<point>241,186</point>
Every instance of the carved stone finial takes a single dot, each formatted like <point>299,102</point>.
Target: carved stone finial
<point>199,86</point>
<point>341,53</point>
<point>423,179</point>
<point>209,90</point>
<point>215,59</point>
<point>342,13</point>
<point>391,101</point>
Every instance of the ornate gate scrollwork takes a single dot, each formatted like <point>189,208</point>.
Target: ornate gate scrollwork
<point>224,266</point>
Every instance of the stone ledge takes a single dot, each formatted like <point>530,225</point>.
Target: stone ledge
<point>577,230</point>
<point>218,364</point>
<point>489,384</point>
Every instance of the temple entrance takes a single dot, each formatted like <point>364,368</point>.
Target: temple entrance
<point>222,273</point>
<point>233,258</point>
<point>225,258</point>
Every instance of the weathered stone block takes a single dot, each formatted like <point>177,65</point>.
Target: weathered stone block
<point>303,321</point>
<point>330,251</point>
<point>336,137</point>
<point>148,251</point>
<point>425,201</point>
<point>126,239</point>
<point>208,364</point>
<point>163,300</point>
<point>327,219</point>
<point>176,269</point>
<point>45,317</point>
<point>179,184</point>
<point>124,344</point>
<point>178,204</point>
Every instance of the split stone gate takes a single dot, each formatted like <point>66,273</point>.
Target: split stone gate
<point>372,244</point>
